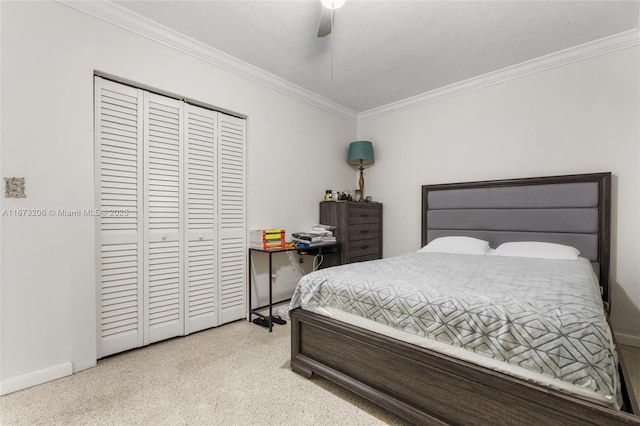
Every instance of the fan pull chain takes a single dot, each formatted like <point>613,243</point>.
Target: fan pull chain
<point>331,44</point>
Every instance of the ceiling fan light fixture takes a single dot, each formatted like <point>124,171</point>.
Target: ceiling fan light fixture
<point>332,4</point>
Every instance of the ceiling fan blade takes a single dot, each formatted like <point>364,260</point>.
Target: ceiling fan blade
<point>324,25</point>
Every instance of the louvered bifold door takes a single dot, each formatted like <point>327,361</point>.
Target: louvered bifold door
<point>200,201</point>
<point>163,245</point>
<point>118,139</point>
<point>232,250</point>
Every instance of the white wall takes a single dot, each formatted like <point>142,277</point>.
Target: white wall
<point>49,55</point>
<point>579,118</point>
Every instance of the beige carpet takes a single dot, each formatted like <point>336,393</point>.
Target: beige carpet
<point>237,374</point>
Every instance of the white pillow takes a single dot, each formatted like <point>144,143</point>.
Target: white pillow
<point>456,245</point>
<point>538,250</point>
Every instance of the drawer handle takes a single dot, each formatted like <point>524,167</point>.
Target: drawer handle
<point>364,247</point>
<point>364,215</point>
<point>364,231</point>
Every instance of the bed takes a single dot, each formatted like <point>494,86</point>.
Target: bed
<point>429,384</point>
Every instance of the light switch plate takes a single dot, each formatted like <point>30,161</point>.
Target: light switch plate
<point>14,187</point>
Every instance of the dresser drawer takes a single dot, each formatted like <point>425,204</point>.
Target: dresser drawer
<point>364,231</point>
<point>364,215</point>
<point>364,247</point>
<point>364,258</point>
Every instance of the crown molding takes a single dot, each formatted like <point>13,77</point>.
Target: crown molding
<point>124,18</point>
<point>574,54</point>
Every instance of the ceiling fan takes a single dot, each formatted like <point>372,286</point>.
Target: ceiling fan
<point>326,16</point>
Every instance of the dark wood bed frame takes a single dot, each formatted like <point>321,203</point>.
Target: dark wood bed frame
<point>426,387</point>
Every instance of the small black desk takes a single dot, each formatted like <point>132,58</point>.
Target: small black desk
<point>324,249</point>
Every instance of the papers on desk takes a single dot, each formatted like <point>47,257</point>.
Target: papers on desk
<point>319,234</point>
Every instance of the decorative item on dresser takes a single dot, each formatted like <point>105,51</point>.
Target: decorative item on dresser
<point>360,153</point>
<point>358,228</point>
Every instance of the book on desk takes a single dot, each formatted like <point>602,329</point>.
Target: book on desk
<point>306,237</point>
<point>267,238</point>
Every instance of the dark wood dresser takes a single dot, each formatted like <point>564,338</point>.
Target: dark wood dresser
<point>358,228</point>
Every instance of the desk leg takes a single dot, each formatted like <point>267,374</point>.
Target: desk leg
<point>249,273</point>
<point>270,294</point>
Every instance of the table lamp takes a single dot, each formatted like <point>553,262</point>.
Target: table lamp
<point>361,153</point>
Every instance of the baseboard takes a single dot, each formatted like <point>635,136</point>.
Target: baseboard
<point>628,339</point>
<point>34,378</point>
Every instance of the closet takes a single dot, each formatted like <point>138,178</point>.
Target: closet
<point>170,189</point>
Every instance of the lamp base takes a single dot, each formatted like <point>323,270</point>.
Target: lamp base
<point>361,182</point>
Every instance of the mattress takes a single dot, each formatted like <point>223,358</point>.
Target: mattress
<point>538,319</point>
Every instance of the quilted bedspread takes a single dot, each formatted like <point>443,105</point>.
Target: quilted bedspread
<point>542,315</point>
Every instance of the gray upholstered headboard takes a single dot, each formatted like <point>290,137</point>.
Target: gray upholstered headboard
<point>572,210</point>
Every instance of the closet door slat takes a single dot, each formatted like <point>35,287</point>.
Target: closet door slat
<point>232,247</point>
<point>119,169</point>
<point>163,218</point>
<point>200,190</point>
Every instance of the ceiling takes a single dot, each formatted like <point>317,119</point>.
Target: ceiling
<point>382,52</point>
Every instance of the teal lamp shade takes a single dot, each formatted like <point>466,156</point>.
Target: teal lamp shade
<point>360,151</point>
